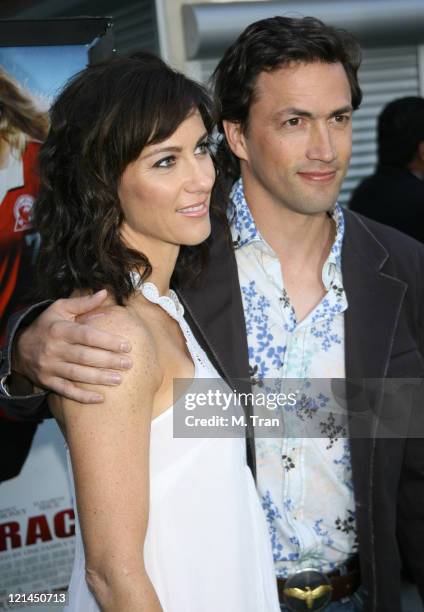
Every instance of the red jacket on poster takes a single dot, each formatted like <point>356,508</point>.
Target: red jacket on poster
<point>18,242</point>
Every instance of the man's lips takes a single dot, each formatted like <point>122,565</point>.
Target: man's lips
<point>320,177</point>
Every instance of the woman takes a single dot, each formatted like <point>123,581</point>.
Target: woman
<point>127,179</point>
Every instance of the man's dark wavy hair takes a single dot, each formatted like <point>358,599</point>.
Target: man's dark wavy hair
<point>267,45</point>
<point>100,122</point>
<point>400,131</point>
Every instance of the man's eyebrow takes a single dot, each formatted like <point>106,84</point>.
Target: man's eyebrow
<point>342,111</point>
<point>299,112</point>
<point>171,149</point>
<point>292,111</point>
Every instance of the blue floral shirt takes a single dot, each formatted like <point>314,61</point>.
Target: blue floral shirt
<point>305,483</point>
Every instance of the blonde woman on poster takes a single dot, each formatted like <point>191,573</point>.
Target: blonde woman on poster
<point>22,129</point>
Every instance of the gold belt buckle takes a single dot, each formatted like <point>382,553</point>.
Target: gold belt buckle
<point>307,589</point>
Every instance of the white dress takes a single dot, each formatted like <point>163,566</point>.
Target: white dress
<point>207,547</point>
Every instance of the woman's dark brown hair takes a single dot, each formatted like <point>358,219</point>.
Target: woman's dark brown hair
<point>100,123</point>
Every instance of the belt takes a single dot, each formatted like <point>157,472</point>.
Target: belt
<point>310,589</point>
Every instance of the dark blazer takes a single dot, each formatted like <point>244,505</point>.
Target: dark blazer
<point>383,275</point>
<point>393,196</point>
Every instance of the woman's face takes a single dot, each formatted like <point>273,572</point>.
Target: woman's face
<point>165,193</point>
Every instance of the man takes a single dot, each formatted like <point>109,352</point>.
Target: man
<point>394,194</point>
<point>309,291</point>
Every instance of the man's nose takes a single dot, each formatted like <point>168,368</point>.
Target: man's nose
<point>321,146</point>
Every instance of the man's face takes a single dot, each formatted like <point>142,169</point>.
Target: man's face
<point>296,149</point>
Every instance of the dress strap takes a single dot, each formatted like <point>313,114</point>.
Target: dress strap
<point>170,303</point>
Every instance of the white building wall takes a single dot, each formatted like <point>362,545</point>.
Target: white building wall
<point>386,73</point>
<point>170,27</point>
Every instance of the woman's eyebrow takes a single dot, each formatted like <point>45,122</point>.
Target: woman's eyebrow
<point>170,148</point>
<point>167,149</point>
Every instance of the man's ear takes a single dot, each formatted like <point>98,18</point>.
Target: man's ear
<point>236,139</point>
<point>420,151</point>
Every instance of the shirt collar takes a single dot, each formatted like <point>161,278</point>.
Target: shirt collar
<point>335,255</point>
<point>244,232</point>
<point>243,228</point>
<point>332,268</point>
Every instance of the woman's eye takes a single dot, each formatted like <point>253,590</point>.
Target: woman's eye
<point>165,162</point>
<point>203,147</point>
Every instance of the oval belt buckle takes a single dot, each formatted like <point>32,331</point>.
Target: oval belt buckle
<point>308,589</point>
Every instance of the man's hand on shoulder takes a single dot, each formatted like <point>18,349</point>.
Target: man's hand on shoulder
<point>61,348</point>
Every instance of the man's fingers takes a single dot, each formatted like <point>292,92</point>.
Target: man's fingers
<point>96,358</point>
<point>80,305</point>
<point>72,392</point>
<point>87,375</point>
<point>89,336</point>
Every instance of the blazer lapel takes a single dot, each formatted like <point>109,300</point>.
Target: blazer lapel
<point>215,314</point>
<point>374,304</point>
<point>216,310</point>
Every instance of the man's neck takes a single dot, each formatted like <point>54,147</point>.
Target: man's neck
<point>302,244</point>
<point>298,240</point>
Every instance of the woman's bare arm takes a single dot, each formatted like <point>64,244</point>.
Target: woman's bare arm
<point>109,446</point>
<point>63,347</point>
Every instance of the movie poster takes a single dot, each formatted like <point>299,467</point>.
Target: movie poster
<point>36,514</point>
<point>43,71</point>
<point>37,525</point>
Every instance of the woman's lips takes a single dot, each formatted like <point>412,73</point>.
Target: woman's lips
<point>194,211</point>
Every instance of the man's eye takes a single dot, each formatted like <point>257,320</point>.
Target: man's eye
<point>293,122</point>
<point>342,119</point>
<point>165,162</point>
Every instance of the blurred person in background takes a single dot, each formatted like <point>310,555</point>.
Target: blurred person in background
<point>394,194</point>
<point>22,128</point>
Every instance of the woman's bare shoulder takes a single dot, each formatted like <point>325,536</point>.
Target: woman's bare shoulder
<point>132,324</point>
<point>129,323</point>
<point>116,319</point>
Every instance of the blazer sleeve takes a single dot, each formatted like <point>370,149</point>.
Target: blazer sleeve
<point>411,511</point>
<point>411,489</point>
<point>25,407</point>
